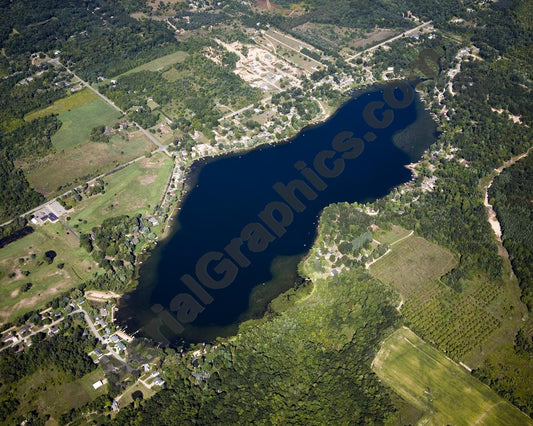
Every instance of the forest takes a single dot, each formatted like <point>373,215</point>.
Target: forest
<point>66,351</point>
<point>511,194</point>
<point>318,370</point>
<point>96,37</point>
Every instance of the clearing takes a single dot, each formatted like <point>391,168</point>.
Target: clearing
<point>159,63</point>
<point>51,391</point>
<point>56,173</point>
<point>64,104</point>
<point>77,123</point>
<point>446,392</point>
<point>23,262</point>
<point>412,263</point>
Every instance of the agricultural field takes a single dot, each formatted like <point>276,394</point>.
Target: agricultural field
<point>64,105</point>
<point>159,63</point>
<point>23,261</point>
<point>446,392</point>
<point>50,391</point>
<point>132,190</point>
<point>77,123</point>
<point>465,325</point>
<point>413,263</point>
<point>58,172</point>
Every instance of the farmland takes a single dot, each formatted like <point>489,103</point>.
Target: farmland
<point>442,389</point>
<point>129,191</point>
<point>466,324</point>
<point>64,105</point>
<point>412,264</point>
<point>77,123</point>
<point>56,172</point>
<point>23,261</point>
<point>160,63</point>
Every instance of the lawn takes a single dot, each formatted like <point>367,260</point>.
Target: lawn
<point>64,105</point>
<point>126,397</point>
<point>160,63</point>
<point>446,392</point>
<point>55,173</point>
<point>27,254</point>
<point>77,123</point>
<point>129,191</point>
<point>413,263</point>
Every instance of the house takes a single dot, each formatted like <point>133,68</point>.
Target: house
<point>25,329</point>
<point>103,312</point>
<point>54,330</point>
<point>154,374</point>
<point>153,220</point>
<point>146,367</point>
<point>10,337</point>
<point>97,384</point>
<point>98,353</point>
<point>114,338</point>
<point>158,381</point>
<point>121,346</point>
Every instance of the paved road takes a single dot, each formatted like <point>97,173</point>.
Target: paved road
<point>99,337</point>
<point>116,169</point>
<point>412,30</point>
<point>110,102</point>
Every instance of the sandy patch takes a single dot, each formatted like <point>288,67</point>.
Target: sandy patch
<point>30,302</point>
<point>100,295</point>
<point>146,180</point>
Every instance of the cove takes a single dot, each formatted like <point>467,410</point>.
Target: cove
<point>248,219</point>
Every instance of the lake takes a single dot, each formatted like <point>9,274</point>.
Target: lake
<point>249,218</point>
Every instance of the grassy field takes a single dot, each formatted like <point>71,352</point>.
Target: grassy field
<point>127,399</point>
<point>77,123</point>
<point>64,105</point>
<point>56,173</point>
<point>388,236</point>
<point>446,392</point>
<point>413,262</point>
<point>159,63</point>
<point>27,254</point>
<point>128,191</point>
<point>50,391</point>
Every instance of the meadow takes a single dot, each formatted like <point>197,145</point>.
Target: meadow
<point>51,391</point>
<point>77,123</point>
<point>445,391</point>
<point>23,261</point>
<point>55,173</point>
<point>413,263</point>
<point>64,104</point>
<point>132,190</point>
<point>159,63</point>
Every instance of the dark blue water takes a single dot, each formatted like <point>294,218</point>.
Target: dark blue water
<point>226,201</point>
